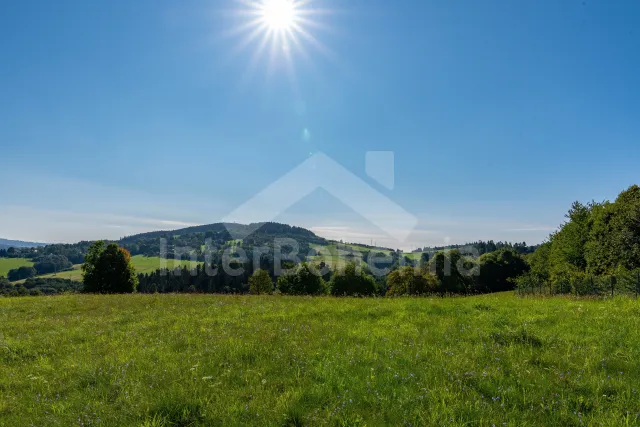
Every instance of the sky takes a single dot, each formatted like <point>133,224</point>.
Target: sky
<point>119,117</point>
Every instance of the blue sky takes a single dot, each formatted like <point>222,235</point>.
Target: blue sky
<point>119,117</point>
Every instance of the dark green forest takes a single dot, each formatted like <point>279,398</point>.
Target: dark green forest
<point>596,249</point>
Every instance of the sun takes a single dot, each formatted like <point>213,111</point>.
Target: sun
<point>279,15</point>
<point>283,31</point>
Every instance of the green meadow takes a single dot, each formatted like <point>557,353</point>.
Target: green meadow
<point>212,360</point>
<point>336,255</point>
<point>141,263</point>
<point>7,264</point>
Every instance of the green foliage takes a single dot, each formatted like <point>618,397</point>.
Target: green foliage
<point>478,248</point>
<point>7,264</point>
<point>260,282</point>
<point>21,273</point>
<point>108,270</point>
<point>303,280</point>
<point>596,241</point>
<point>411,281</point>
<point>51,264</point>
<point>497,269</point>
<point>38,286</point>
<point>5,286</point>
<point>352,281</point>
<point>453,271</point>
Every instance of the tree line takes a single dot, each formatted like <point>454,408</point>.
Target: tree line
<point>480,247</point>
<point>447,272</point>
<point>597,249</point>
<point>108,269</point>
<point>43,264</point>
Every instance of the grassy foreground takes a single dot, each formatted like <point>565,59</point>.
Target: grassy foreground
<point>161,360</point>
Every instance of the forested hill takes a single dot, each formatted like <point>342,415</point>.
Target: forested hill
<point>6,244</point>
<point>481,247</point>
<point>191,239</point>
<point>218,236</point>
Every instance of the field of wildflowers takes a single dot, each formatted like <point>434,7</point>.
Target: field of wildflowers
<point>190,360</point>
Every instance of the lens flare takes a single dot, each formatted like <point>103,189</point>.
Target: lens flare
<point>281,30</point>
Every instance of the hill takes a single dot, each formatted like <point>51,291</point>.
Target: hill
<point>6,244</point>
<point>186,242</point>
<point>141,263</point>
<point>7,264</point>
<point>192,240</point>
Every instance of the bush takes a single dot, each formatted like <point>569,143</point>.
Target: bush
<point>411,281</point>
<point>51,264</point>
<point>497,269</point>
<point>451,270</point>
<point>21,273</point>
<point>301,281</point>
<point>352,281</point>
<point>260,282</point>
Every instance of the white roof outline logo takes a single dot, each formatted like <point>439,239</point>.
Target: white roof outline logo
<point>321,171</point>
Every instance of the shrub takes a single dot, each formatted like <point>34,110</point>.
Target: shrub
<point>411,281</point>
<point>352,281</point>
<point>301,281</point>
<point>260,282</point>
<point>21,273</point>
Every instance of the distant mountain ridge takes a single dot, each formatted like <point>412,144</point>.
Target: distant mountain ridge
<point>6,244</point>
<point>218,236</point>
<point>220,228</point>
<point>193,241</point>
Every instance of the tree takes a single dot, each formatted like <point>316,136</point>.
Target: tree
<point>498,268</point>
<point>424,258</point>
<point>301,281</point>
<point>411,281</point>
<point>260,282</point>
<point>21,273</point>
<point>4,283</point>
<point>108,270</point>
<point>598,239</point>
<point>51,264</point>
<point>352,281</point>
<point>447,268</point>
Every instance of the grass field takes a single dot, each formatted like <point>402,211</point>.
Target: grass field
<point>142,264</point>
<point>162,360</point>
<point>336,258</point>
<point>7,264</point>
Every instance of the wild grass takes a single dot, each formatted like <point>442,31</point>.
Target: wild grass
<point>141,263</point>
<point>7,264</point>
<point>336,256</point>
<point>190,360</point>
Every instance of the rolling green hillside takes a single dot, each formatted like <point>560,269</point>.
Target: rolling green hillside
<point>141,263</point>
<point>7,264</point>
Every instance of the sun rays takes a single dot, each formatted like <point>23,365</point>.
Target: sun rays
<point>278,31</point>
